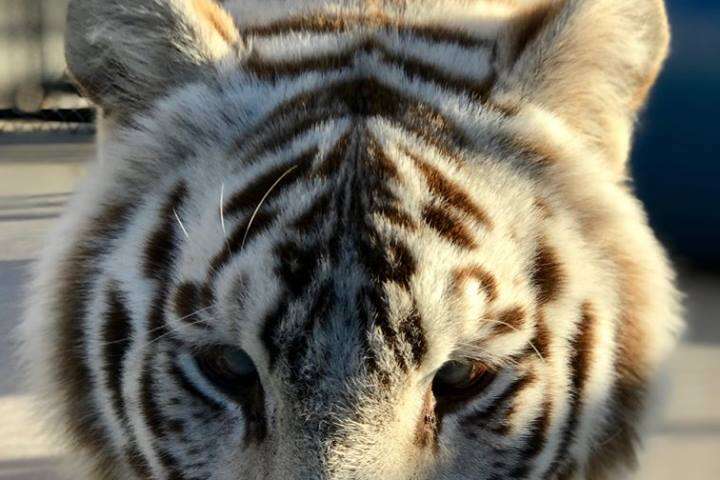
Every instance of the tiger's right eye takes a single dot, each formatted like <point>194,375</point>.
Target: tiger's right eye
<point>460,380</point>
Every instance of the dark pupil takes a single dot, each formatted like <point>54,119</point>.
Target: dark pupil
<point>229,369</point>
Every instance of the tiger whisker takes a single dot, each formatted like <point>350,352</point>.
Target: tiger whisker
<point>177,217</point>
<point>222,207</point>
<point>262,200</point>
<point>222,215</point>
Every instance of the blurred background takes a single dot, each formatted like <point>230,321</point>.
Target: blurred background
<point>46,139</point>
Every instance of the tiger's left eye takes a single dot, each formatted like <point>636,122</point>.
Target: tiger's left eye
<point>458,380</point>
<point>230,370</point>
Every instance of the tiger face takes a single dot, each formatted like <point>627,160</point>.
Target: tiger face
<point>350,242</point>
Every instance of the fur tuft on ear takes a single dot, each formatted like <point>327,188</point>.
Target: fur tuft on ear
<point>591,62</point>
<point>125,53</point>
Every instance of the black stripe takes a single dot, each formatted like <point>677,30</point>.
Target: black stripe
<point>116,339</point>
<point>483,417</point>
<point>183,382</point>
<point>78,273</point>
<point>160,248</point>
<point>412,67</point>
<point>249,198</point>
<point>153,417</point>
<point>325,23</point>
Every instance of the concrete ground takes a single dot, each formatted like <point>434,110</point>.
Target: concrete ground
<point>35,182</point>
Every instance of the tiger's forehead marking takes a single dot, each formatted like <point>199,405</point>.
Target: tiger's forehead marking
<point>358,222</point>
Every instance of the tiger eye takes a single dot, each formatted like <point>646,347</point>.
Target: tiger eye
<point>461,379</point>
<point>230,370</point>
<point>236,362</point>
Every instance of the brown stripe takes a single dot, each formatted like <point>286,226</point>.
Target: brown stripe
<point>512,320</point>
<point>152,417</point>
<point>527,27</point>
<point>448,190</point>
<point>427,427</point>
<point>542,206</point>
<point>448,226</point>
<point>547,274</point>
<point>413,334</point>
<point>396,216</point>
<point>580,364</point>
<point>324,23</point>
<point>537,439</point>
<point>534,154</point>
<point>568,471</point>
<point>486,279</point>
<point>542,337</point>
<point>138,462</point>
<point>377,161</point>
<point>628,396</point>
<point>476,89</point>
<point>159,257</point>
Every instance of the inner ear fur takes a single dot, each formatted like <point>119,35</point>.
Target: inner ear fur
<point>591,62</point>
<point>125,53</point>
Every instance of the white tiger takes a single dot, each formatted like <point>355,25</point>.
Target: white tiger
<point>356,240</point>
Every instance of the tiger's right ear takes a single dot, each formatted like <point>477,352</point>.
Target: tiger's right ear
<point>590,62</point>
<point>126,53</point>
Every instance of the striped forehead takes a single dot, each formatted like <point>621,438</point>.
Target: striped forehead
<point>367,234</point>
<point>353,189</point>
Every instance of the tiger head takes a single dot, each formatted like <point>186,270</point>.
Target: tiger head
<point>384,239</point>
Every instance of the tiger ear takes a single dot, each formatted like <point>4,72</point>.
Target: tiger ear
<point>591,62</point>
<point>125,53</point>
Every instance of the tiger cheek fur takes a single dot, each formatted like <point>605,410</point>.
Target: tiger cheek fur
<point>360,240</point>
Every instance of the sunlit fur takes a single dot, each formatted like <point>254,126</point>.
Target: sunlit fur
<point>354,194</point>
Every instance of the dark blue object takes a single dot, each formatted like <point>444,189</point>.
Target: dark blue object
<point>675,161</point>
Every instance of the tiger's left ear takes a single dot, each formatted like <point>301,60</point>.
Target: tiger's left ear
<point>591,62</point>
<point>124,54</point>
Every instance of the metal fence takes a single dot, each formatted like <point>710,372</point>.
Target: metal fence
<point>36,95</point>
